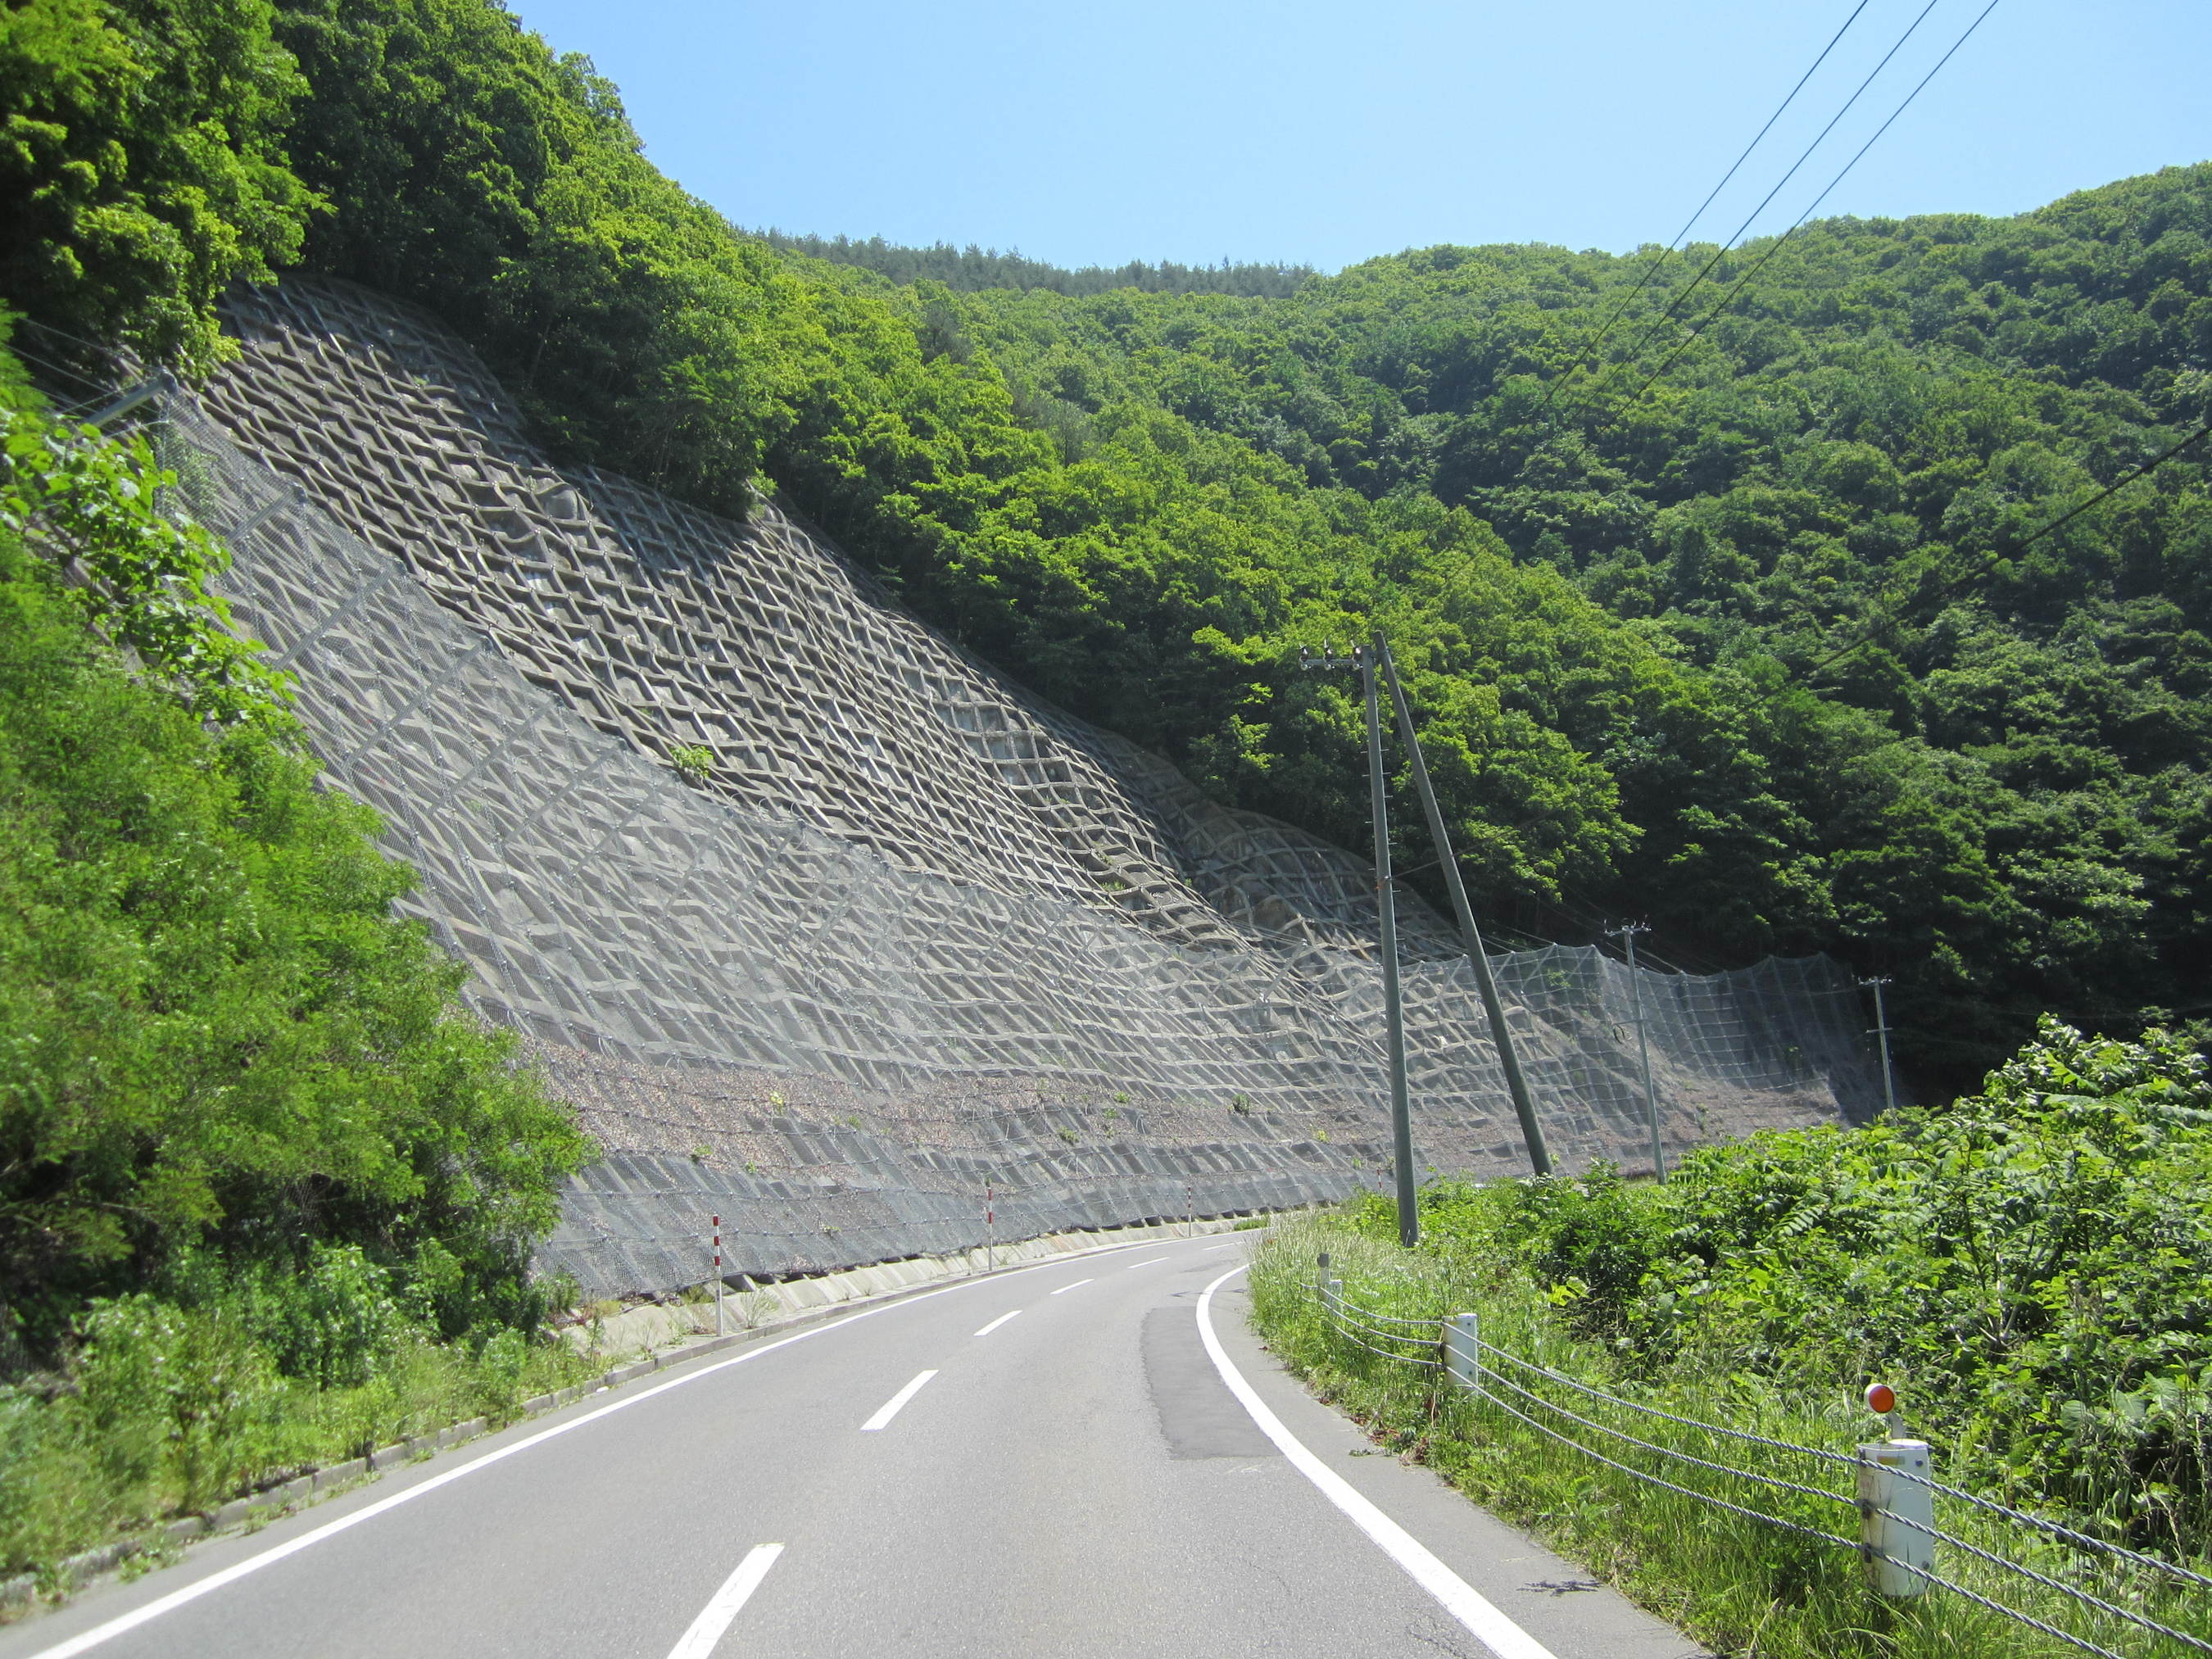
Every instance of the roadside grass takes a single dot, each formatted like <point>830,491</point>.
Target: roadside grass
<point>1742,1586</point>
<point>86,1461</point>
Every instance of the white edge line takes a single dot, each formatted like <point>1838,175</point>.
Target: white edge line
<point>1078,1286</point>
<point>889,1408</point>
<point>1482,1618</point>
<point>85,1641</point>
<point>996,1323</point>
<point>727,1602</point>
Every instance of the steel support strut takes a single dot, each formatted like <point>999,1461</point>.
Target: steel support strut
<point>1509,1060</point>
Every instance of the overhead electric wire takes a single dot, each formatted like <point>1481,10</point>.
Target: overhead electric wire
<point>1775,247</point>
<point>1946,589</point>
<point>1728,246</point>
<point>1583,356</point>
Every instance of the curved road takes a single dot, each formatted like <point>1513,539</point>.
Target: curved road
<point>1088,1457</point>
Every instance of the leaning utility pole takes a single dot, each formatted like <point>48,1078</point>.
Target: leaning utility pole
<point>1532,1132</point>
<point>1627,933</point>
<point>1881,1031</point>
<point>1394,1012</point>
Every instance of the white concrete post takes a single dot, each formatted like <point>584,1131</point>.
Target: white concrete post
<point>1463,1350</point>
<point>1897,1517</point>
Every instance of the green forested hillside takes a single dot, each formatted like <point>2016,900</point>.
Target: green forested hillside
<point>972,268</point>
<point>1618,614</point>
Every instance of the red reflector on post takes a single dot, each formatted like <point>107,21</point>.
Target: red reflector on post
<point>1881,1399</point>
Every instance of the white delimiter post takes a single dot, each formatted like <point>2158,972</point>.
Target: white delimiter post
<point>1463,1350</point>
<point>718,1275</point>
<point>1897,1517</point>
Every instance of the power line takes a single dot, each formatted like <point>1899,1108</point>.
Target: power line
<point>1582,357</point>
<point>1722,252</point>
<point>1760,264</point>
<point>1947,589</point>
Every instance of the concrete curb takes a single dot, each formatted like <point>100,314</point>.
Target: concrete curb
<point>817,1298</point>
<point>656,1326</point>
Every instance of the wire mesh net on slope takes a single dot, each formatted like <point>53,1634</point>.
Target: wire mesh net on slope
<point>830,996</point>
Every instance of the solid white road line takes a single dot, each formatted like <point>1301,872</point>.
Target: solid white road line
<point>1134,1266</point>
<point>85,1641</point>
<point>714,1617</point>
<point>996,1323</point>
<point>1482,1618</point>
<point>1078,1286</point>
<point>891,1408</point>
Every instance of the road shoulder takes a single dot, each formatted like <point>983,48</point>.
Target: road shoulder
<point>1560,1604</point>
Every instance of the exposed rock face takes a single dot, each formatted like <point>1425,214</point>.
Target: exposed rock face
<point>914,931</point>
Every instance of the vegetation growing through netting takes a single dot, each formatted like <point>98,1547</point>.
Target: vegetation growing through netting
<point>2027,1266</point>
<point>268,1191</point>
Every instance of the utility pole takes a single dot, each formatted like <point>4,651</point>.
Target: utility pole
<point>1627,933</point>
<point>1394,1012</point>
<point>1516,1086</point>
<point>1881,1031</point>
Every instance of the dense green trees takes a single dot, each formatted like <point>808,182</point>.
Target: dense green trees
<point>1764,652</point>
<point>972,268</point>
<point>225,1057</point>
<point>142,169</point>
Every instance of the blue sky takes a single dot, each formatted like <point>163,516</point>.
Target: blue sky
<point>1328,133</point>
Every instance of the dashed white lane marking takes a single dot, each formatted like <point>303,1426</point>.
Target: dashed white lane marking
<point>1210,1248</point>
<point>1481,1617</point>
<point>85,1641</point>
<point>1078,1286</point>
<point>996,1323</point>
<point>1134,1266</point>
<point>714,1617</point>
<point>891,1408</point>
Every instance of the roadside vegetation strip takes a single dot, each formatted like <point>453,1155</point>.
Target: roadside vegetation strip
<point>1625,1474</point>
<point>1480,1616</point>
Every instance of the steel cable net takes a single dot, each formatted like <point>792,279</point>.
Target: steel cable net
<point>914,931</point>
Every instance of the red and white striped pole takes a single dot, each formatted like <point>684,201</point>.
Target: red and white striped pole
<point>718,1275</point>
<point>990,1231</point>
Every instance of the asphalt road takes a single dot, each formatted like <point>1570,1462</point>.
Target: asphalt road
<point>1090,1457</point>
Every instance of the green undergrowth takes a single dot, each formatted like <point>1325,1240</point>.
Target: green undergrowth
<point>2028,1267</point>
<point>267,1189</point>
<point>166,1410</point>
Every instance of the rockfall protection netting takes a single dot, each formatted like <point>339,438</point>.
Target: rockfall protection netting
<point>915,932</point>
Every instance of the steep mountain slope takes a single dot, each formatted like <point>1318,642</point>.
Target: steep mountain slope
<point>912,931</point>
